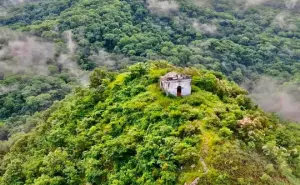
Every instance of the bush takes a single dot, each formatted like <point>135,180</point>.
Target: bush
<point>225,132</point>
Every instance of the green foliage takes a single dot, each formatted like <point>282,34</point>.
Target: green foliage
<point>246,41</point>
<point>225,132</point>
<point>36,11</point>
<point>26,96</point>
<point>124,130</point>
<point>100,77</point>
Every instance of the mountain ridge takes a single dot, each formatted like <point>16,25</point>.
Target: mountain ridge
<point>125,130</point>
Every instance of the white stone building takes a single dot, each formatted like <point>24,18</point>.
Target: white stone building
<point>176,84</point>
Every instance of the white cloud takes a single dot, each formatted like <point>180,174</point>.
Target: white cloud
<point>205,28</point>
<point>164,7</point>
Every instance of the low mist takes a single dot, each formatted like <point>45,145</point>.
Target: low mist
<point>2,12</point>
<point>7,89</point>
<point>162,7</point>
<point>274,97</point>
<point>24,54</point>
<point>202,3</point>
<point>205,28</point>
<point>282,21</point>
<point>15,2</point>
<point>291,4</point>
<point>250,3</point>
<point>66,60</point>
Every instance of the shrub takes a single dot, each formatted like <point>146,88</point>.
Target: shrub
<point>225,132</point>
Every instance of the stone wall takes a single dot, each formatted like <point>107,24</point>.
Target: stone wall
<point>170,87</point>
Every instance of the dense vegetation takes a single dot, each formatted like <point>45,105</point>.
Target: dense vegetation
<point>241,40</point>
<point>31,79</point>
<point>28,95</point>
<point>125,130</point>
<point>237,40</point>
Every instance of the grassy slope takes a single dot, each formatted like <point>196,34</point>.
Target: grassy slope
<point>126,131</point>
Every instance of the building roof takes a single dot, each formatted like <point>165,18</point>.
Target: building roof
<point>174,76</point>
<point>170,75</point>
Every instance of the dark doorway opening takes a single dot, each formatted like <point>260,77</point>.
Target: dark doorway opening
<point>179,91</point>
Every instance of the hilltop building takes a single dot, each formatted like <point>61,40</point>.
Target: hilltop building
<point>176,84</point>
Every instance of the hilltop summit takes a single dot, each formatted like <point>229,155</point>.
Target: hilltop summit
<point>124,130</point>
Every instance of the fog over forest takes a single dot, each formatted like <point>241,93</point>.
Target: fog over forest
<point>80,100</point>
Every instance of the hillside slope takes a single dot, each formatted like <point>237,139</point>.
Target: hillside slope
<point>125,130</point>
<point>243,39</point>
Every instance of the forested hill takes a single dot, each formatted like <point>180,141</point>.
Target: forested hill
<point>243,39</point>
<point>125,130</point>
<point>119,128</point>
<point>240,38</point>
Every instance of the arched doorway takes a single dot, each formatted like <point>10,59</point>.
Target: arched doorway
<point>179,91</point>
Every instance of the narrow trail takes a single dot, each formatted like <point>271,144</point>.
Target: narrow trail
<point>205,150</point>
<point>204,165</point>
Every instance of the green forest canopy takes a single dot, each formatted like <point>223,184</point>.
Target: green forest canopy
<point>241,40</point>
<point>125,130</point>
